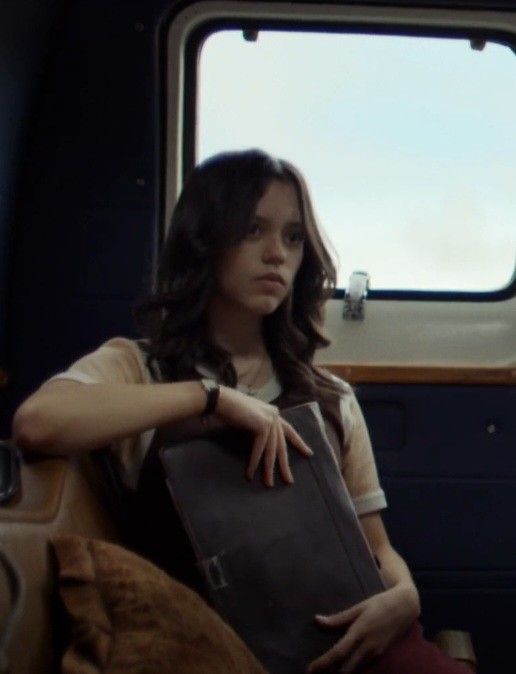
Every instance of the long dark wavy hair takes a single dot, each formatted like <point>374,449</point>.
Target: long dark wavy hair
<point>214,212</point>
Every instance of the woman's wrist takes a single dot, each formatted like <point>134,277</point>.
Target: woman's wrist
<point>211,389</point>
<point>408,597</point>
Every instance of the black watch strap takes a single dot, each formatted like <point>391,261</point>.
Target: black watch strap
<point>212,390</point>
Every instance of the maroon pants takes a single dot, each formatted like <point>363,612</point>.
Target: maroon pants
<point>413,654</point>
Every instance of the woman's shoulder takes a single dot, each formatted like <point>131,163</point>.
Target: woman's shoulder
<point>123,347</point>
<point>123,344</point>
<point>342,387</point>
<point>344,401</point>
<point>117,359</point>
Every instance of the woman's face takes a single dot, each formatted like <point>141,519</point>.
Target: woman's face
<point>257,274</point>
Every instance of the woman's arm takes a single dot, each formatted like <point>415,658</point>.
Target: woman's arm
<point>65,417</point>
<point>394,571</point>
<point>373,624</point>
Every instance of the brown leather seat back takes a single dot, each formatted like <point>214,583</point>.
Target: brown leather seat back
<point>58,496</point>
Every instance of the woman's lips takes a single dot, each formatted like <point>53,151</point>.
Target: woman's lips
<point>273,278</point>
<point>271,284</point>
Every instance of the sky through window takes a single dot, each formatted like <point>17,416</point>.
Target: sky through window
<point>407,144</point>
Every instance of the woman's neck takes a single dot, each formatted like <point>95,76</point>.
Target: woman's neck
<point>237,331</point>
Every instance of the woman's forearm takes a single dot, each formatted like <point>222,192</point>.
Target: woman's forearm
<point>395,572</point>
<point>67,417</point>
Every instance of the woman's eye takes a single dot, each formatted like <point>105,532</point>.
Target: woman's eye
<point>296,236</point>
<point>254,230</point>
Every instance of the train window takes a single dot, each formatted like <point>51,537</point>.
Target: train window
<point>407,143</point>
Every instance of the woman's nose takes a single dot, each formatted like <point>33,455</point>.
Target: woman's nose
<point>274,250</point>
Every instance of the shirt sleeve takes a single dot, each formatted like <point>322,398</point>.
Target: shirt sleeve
<point>119,360</point>
<point>358,464</point>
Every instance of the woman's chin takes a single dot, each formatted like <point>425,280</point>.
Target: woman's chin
<point>264,306</point>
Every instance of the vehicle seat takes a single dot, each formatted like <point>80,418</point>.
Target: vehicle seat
<point>73,496</point>
<point>57,496</point>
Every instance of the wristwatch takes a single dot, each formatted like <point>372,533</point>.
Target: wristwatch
<point>212,390</point>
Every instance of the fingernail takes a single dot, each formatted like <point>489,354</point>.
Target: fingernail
<point>320,617</point>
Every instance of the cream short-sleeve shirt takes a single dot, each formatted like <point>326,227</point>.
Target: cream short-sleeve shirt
<point>120,360</point>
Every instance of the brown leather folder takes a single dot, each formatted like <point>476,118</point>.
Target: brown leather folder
<point>273,558</point>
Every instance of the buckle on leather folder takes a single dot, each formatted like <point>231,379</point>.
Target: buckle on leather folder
<point>213,573</point>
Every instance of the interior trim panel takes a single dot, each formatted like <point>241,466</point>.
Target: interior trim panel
<point>423,374</point>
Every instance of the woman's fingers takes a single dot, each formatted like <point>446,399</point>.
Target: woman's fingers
<point>271,433</point>
<point>271,446</point>
<point>259,444</point>
<point>342,618</point>
<point>269,456</point>
<point>333,656</point>
<point>346,648</point>
<point>341,651</point>
<point>295,439</point>
<point>282,456</point>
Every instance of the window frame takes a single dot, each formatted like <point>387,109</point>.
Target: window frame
<point>399,20</point>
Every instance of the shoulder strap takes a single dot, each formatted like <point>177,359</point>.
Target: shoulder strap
<point>150,360</point>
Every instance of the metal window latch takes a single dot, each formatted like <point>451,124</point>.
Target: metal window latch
<point>355,296</point>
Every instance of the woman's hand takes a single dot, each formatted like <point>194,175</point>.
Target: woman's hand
<point>271,433</point>
<point>371,626</point>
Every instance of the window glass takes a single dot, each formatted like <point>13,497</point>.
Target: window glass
<point>407,144</point>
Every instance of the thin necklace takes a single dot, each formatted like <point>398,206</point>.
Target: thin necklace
<point>254,379</point>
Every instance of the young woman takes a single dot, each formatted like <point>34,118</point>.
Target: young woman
<point>231,330</point>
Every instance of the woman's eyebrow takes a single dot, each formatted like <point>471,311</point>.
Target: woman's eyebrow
<point>295,223</point>
<point>261,219</point>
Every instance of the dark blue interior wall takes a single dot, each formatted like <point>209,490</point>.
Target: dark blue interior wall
<point>85,224</point>
<point>446,459</point>
<point>27,29</point>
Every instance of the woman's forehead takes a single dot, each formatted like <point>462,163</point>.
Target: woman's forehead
<point>280,200</point>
